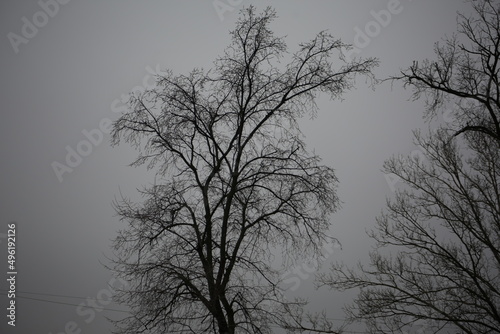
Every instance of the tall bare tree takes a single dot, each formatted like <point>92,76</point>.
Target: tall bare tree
<point>436,266</point>
<point>234,184</point>
<point>466,72</point>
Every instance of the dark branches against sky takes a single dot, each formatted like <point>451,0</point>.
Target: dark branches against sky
<point>465,72</point>
<point>234,183</point>
<point>437,259</point>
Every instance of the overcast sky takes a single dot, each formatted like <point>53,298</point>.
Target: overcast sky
<point>64,72</point>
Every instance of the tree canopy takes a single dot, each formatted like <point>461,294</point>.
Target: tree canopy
<point>234,183</point>
<point>465,72</point>
<point>436,265</point>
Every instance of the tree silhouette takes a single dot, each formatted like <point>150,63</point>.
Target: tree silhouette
<point>437,261</point>
<point>465,72</point>
<point>436,266</point>
<point>234,184</point>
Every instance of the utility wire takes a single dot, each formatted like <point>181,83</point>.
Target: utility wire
<point>64,303</point>
<point>50,294</point>
<point>4,293</point>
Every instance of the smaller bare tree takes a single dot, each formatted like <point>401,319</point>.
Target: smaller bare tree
<point>465,72</point>
<point>436,266</point>
<point>438,243</point>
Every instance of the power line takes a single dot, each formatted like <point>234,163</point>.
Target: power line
<point>50,294</point>
<point>64,303</point>
<point>79,297</point>
<point>4,293</point>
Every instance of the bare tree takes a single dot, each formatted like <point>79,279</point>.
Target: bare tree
<point>436,265</point>
<point>465,72</point>
<point>234,184</point>
<point>437,261</point>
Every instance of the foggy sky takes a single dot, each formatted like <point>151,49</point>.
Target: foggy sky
<point>69,76</point>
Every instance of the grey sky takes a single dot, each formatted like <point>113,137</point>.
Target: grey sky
<point>70,75</point>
